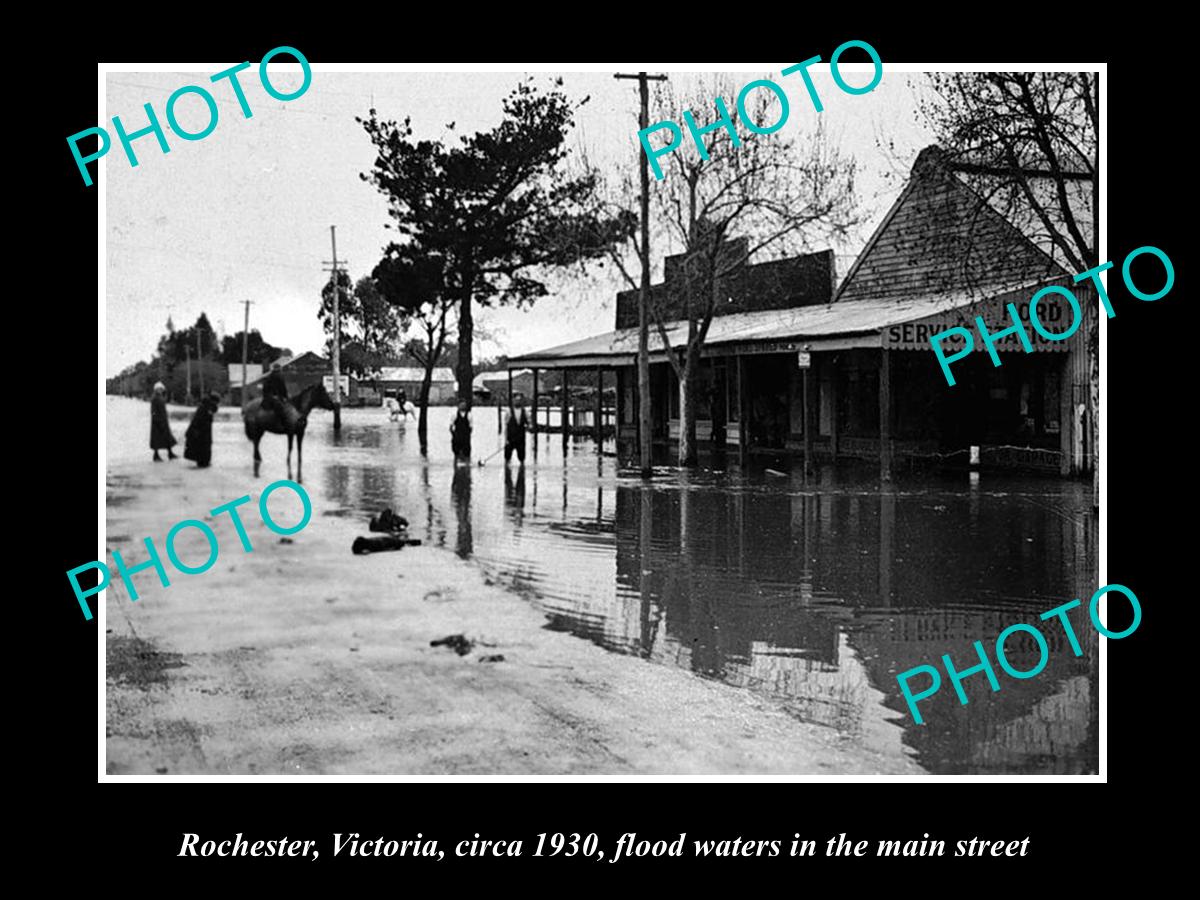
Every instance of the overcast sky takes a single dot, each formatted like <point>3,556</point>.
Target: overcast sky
<point>245,212</point>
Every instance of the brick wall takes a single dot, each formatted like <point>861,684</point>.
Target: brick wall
<point>781,284</point>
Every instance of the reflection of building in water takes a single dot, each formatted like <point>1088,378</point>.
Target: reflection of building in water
<point>821,599</point>
<point>1054,725</point>
<point>1022,726</point>
<point>828,693</point>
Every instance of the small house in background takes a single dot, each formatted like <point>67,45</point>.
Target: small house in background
<point>298,373</point>
<point>254,373</point>
<point>492,387</point>
<point>311,368</point>
<point>442,389</point>
<point>481,392</point>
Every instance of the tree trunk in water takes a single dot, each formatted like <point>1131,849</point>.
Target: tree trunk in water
<point>423,411</point>
<point>466,335</point>
<point>687,409</point>
<point>465,370</point>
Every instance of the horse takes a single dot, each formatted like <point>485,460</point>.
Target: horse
<point>258,421</point>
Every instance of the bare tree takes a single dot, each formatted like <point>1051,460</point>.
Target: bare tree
<point>778,193</point>
<point>1028,143</point>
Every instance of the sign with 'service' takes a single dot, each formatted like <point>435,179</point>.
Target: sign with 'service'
<point>916,335</point>
<point>1032,313</point>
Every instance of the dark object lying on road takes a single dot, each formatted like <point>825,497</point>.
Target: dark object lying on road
<point>456,642</point>
<point>383,542</point>
<point>388,521</point>
<point>493,658</point>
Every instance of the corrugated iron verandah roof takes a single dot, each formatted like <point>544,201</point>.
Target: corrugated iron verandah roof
<point>828,327</point>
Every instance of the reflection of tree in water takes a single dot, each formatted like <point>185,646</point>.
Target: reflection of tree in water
<point>379,490</point>
<point>369,437</point>
<point>433,518</point>
<point>337,483</point>
<point>365,489</point>
<point>460,492</point>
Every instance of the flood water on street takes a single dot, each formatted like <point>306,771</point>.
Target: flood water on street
<point>814,593</point>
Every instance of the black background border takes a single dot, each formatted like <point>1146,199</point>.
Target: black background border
<point>1146,179</point>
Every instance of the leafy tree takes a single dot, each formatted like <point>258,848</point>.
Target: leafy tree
<point>369,324</point>
<point>197,343</point>
<point>259,351</point>
<point>414,284</point>
<point>1028,143</point>
<point>494,206</point>
<point>208,356</point>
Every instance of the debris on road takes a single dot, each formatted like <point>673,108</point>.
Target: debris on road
<point>382,543</point>
<point>460,644</point>
<point>388,521</point>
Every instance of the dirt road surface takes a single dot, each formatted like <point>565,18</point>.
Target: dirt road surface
<point>301,658</point>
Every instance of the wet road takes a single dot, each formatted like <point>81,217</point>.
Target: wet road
<point>814,593</point>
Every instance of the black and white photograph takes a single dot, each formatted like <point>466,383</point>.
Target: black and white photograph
<point>529,421</point>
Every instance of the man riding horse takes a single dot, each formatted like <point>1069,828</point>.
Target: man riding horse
<point>275,397</point>
<point>276,414</point>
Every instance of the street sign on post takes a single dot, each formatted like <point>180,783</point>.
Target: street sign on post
<point>804,359</point>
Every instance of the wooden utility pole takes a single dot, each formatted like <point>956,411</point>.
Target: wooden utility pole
<point>188,353</point>
<point>599,411</point>
<point>245,349</point>
<point>337,338</point>
<point>643,363</point>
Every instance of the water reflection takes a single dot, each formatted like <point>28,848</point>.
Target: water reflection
<point>460,490</point>
<point>514,494</point>
<point>813,589</point>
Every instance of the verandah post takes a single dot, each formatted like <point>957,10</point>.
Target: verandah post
<point>885,416</point>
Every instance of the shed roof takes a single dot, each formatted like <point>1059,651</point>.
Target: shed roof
<point>941,236</point>
<point>811,324</point>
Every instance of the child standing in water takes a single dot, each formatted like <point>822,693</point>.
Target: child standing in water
<point>460,434</point>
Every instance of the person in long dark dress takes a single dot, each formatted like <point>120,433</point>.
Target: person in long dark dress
<point>460,434</point>
<point>160,428</point>
<point>198,440</point>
